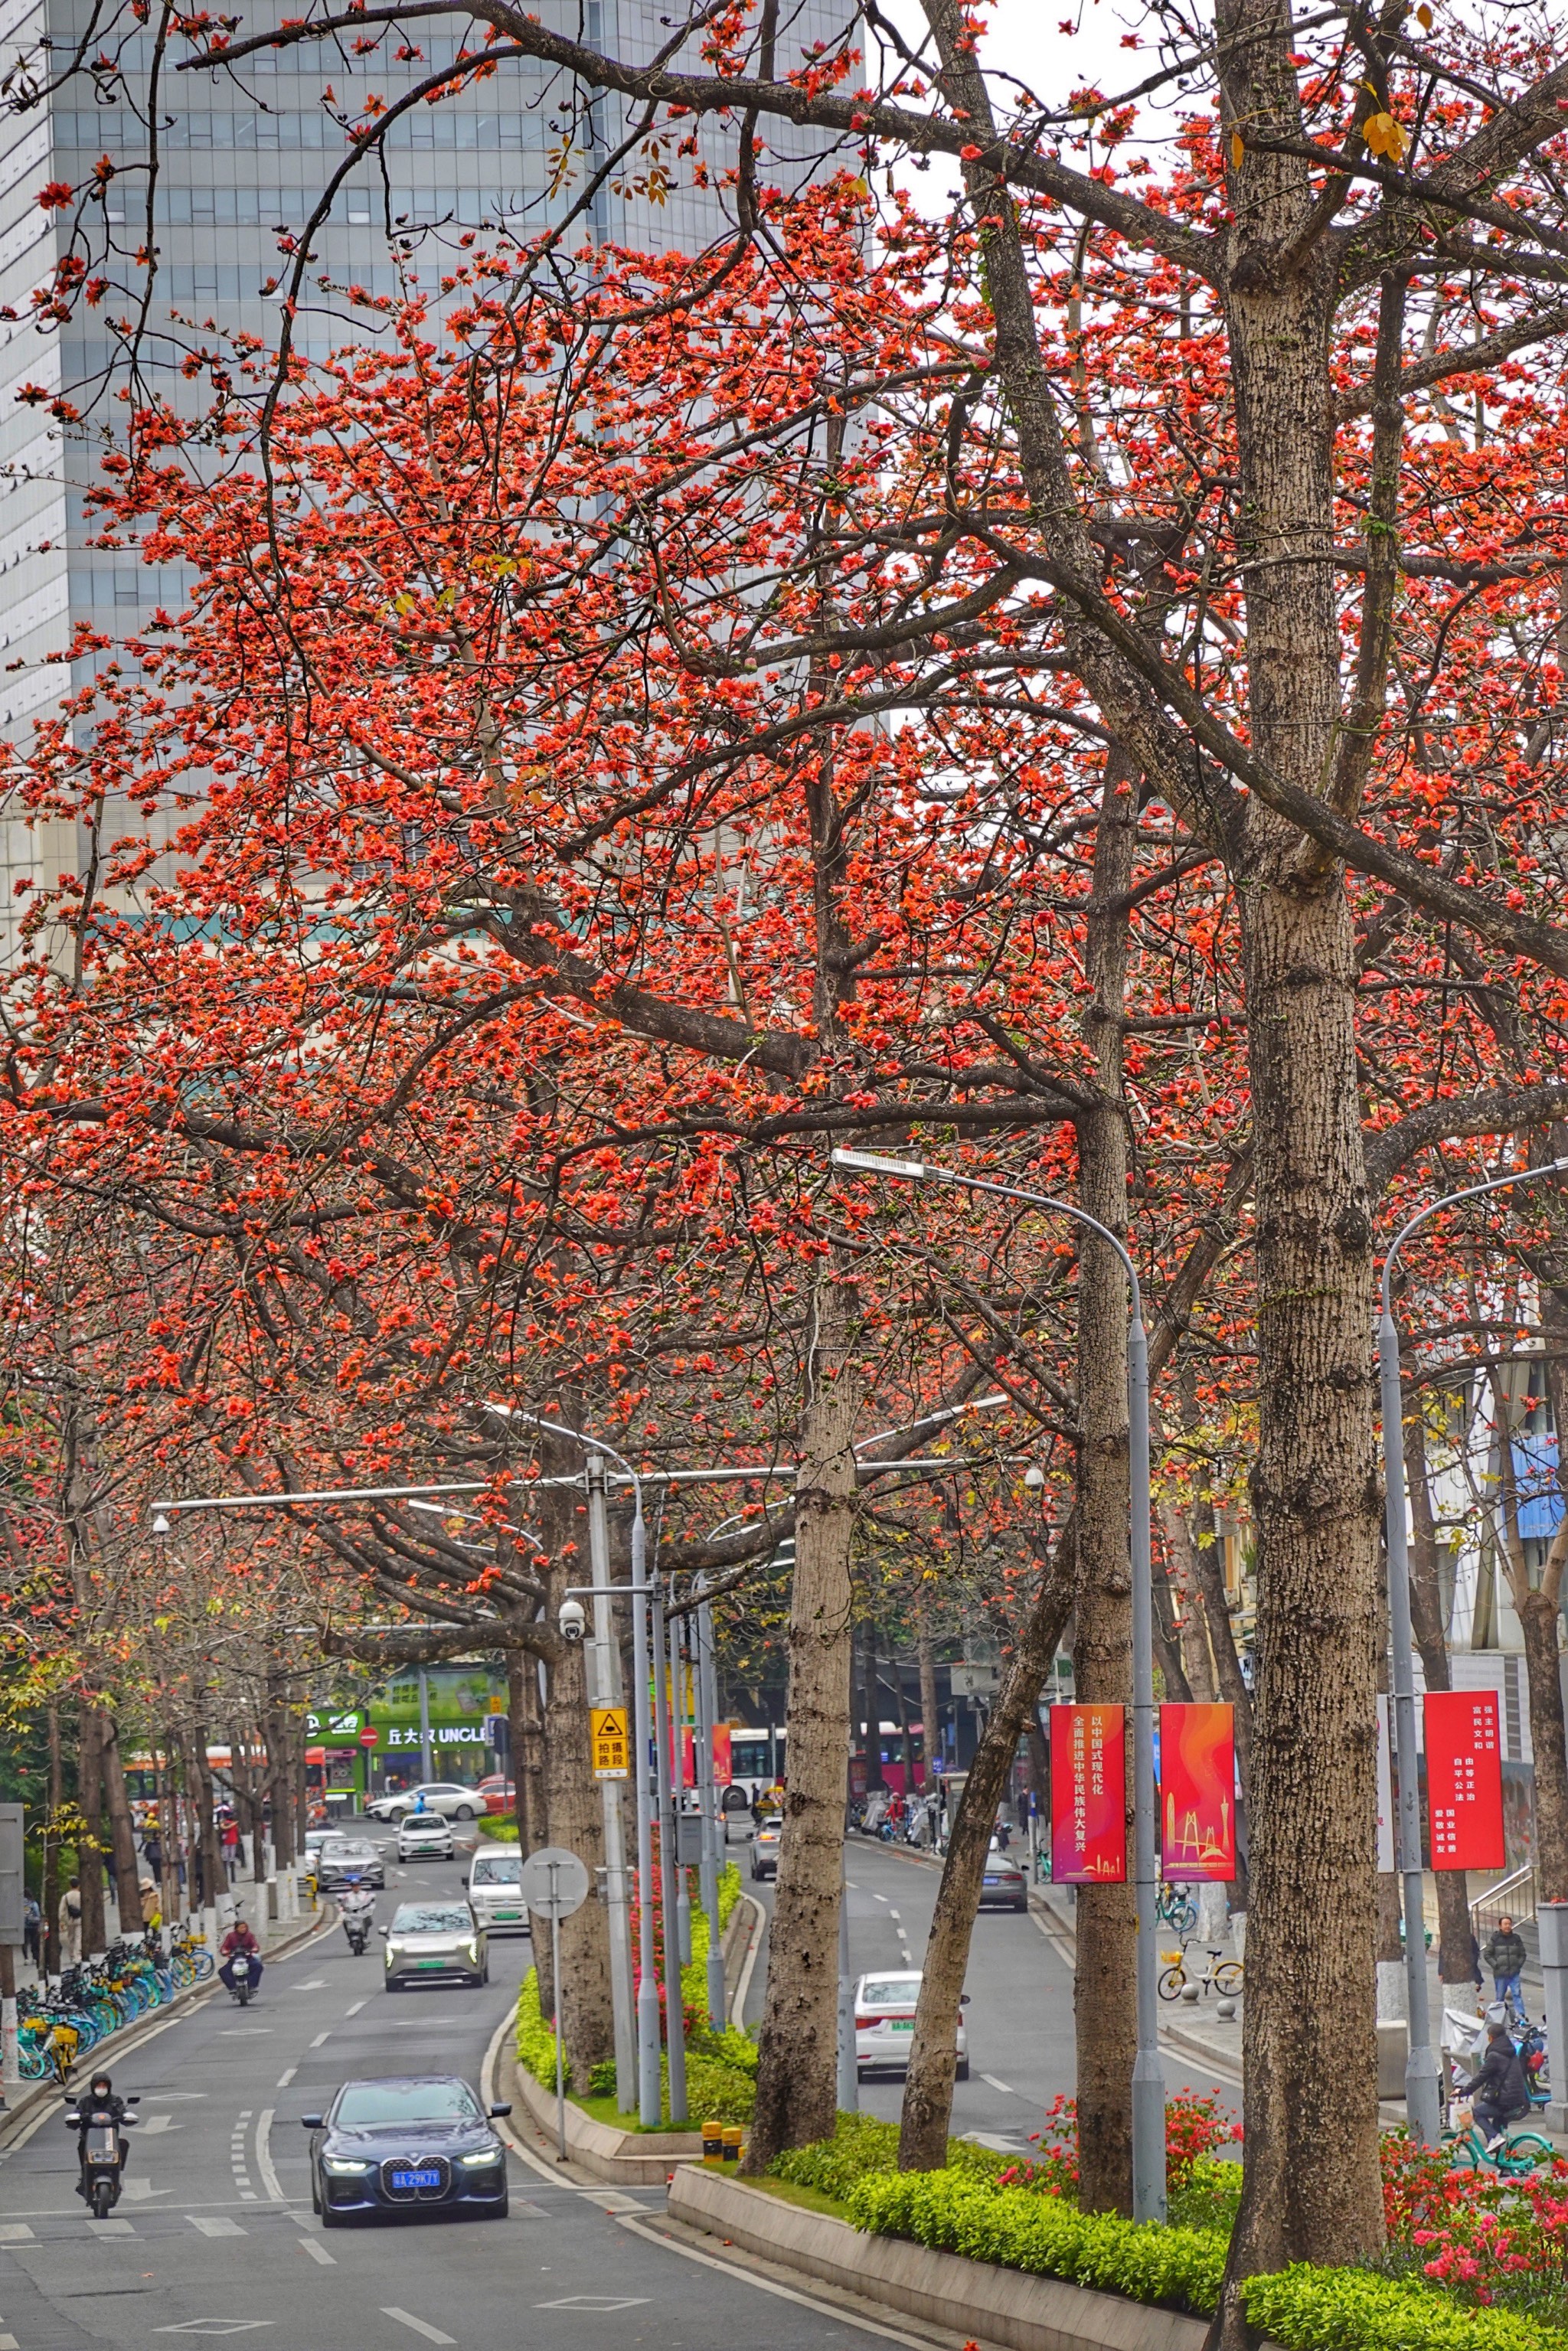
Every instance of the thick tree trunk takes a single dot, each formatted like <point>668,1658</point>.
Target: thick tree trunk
<point>121,1831</point>
<point>90,1848</point>
<point>1455,1936</point>
<point>796,2073</point>
<point>1313,2189</point>
<point>1539,1616</point>
<point>928,2085</point>
<point>523,1739</point>
<point>1104,2001</point>
<point>214,1877</point>
<point>930,1741</point>
<point>279,1787</point>
<point>871,1690</point>
<point>51,1887</point>
<point>574,1815</point>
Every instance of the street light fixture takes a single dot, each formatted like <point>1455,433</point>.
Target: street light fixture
<point>1423,2106</point>
<point>1148,2075</point>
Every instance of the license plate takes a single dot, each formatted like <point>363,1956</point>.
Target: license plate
<point>416,2179</point>
<point>901,2024</point>
<point>434,1963</point>
<point>992,1881</point>
<point>507,1914</point>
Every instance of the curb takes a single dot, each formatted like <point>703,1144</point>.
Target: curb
<point>17,2113</point>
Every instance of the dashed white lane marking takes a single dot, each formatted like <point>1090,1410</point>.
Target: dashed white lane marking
<point>287,2076</point>
<point>1006,2088</point>
<point>319,2252</point>
<point>420,2325</point>
<point>878,1897</point>
<point>15,2232</point>
<point>111,2228</point>
<point>320,2037</point>
<point>8,2343</point>
<point>893,1914</point>
<point>355,2010</point>
<point>210,2227</point>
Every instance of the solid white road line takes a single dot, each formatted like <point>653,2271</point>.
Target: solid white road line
<point>264,2155</point>
<point>319,2252</point>
<point>420,2325</point>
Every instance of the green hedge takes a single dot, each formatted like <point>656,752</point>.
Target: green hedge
<point>1309,2309</point>
<point>959,2211</point>
<point>1019,2228</point>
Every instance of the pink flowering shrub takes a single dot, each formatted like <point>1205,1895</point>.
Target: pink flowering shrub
<point>1486,2239</point>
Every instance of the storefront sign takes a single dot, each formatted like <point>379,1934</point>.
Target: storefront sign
<point>1088,1795</point>
<point>1464,1780</point>
<point>1197,1795</point>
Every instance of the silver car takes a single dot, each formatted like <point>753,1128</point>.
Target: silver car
<point>1004,1885</point>
<point>435,1942</point>
<point>496,1892</point>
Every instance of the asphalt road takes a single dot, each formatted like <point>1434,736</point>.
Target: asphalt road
<point>214,2238</point>
<point>1019,1981</point>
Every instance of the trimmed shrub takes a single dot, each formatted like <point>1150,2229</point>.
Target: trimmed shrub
<point>1309,2309</point>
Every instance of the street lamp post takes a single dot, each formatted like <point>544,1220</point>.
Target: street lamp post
<point>607,1692</point>
<point>712,1818</point>
<point>1422,2073</point>
<point>1148,2074</point>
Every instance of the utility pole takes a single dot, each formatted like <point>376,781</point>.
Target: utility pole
<point>607,1691</point>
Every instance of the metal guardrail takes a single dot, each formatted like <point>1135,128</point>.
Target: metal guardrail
<point>1511,1898</point>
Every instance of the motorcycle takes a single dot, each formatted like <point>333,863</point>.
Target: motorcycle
<point>101,2153</point>
<point>245,1978</point>
<point>358,1905</point>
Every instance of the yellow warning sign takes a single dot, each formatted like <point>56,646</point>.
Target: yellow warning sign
<point>612,1743</point>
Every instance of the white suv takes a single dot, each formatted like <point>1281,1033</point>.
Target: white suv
<point>444,1796</point>
<point>425,1837</point>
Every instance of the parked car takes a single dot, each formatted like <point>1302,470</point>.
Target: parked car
<point>432,1942</point>
<point>495,1890</point>
<point>336,1856</point>
<point>1006,1883</point>
<point>425,1837</point>
<point>885,2022</point>
<point>405,2145</point>
<point>765,1846</point>
<point>500,1794</point>
<point>447,1797</point>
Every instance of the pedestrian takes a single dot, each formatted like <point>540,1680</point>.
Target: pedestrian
<point>230,1834</point>
<point>1504,1955</point>
<point>152,1851</point>
<point>146,1889</point>
<point>33,1932</point>
<point>1498,2093</point>
<point>68,1919</point>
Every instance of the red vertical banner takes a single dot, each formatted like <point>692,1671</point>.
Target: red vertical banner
<point>1088,1795</point>
<point>1197,1795</point>
<point>722,1772</point>
<point>1464,1780</point>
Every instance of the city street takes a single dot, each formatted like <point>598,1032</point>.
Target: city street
<point>215,2237</point>
<point>1020,2017</point>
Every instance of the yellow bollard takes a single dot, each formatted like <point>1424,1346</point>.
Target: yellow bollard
<point>732,2139</point>
<point>713,2141</point>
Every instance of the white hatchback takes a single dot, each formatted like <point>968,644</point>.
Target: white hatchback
<point>885,2022</point>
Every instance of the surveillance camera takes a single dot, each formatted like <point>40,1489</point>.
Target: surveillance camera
<point>573,1621</point>
<point>161,1524</point>
<point>1034,1477</point>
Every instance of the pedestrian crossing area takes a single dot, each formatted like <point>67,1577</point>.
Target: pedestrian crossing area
<point>52,2226</point>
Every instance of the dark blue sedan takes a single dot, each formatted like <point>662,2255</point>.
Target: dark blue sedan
<point>412,2143</point>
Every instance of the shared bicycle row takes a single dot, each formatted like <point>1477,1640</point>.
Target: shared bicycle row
<point>96,1996</point>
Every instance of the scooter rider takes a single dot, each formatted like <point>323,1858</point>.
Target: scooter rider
<point>101,2098</point>
<point>357,1906</point>
<point>239,1938</point>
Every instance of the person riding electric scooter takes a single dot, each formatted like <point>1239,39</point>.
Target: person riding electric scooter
<point>357,1906</point>
<point>241,1969</point>
<point>100,2120</point>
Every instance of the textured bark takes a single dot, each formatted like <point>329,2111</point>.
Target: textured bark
<point>1538,1611</point>
<point>121,1833</point>
<point>214,1877</point>
<point>928,2085</point>
<point>50,1894</point>
<point>1455,1936</point>
<point>523,1724</point>
<point>1105,2003</point>
<point>91,1847</point>
<point>926,1650</point>
<point>871,1693</point>
<point>1197,1665</point>
<point>574,1815</point>
<point>797,2071</point>
<point>1312,2189</point>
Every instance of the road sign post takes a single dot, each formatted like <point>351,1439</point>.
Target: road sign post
<point>554,1884</point>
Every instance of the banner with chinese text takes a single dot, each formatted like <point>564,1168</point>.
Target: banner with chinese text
<point>1197,1795</point>
<point>1464,1780</point>
<point>1088,1795</point>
